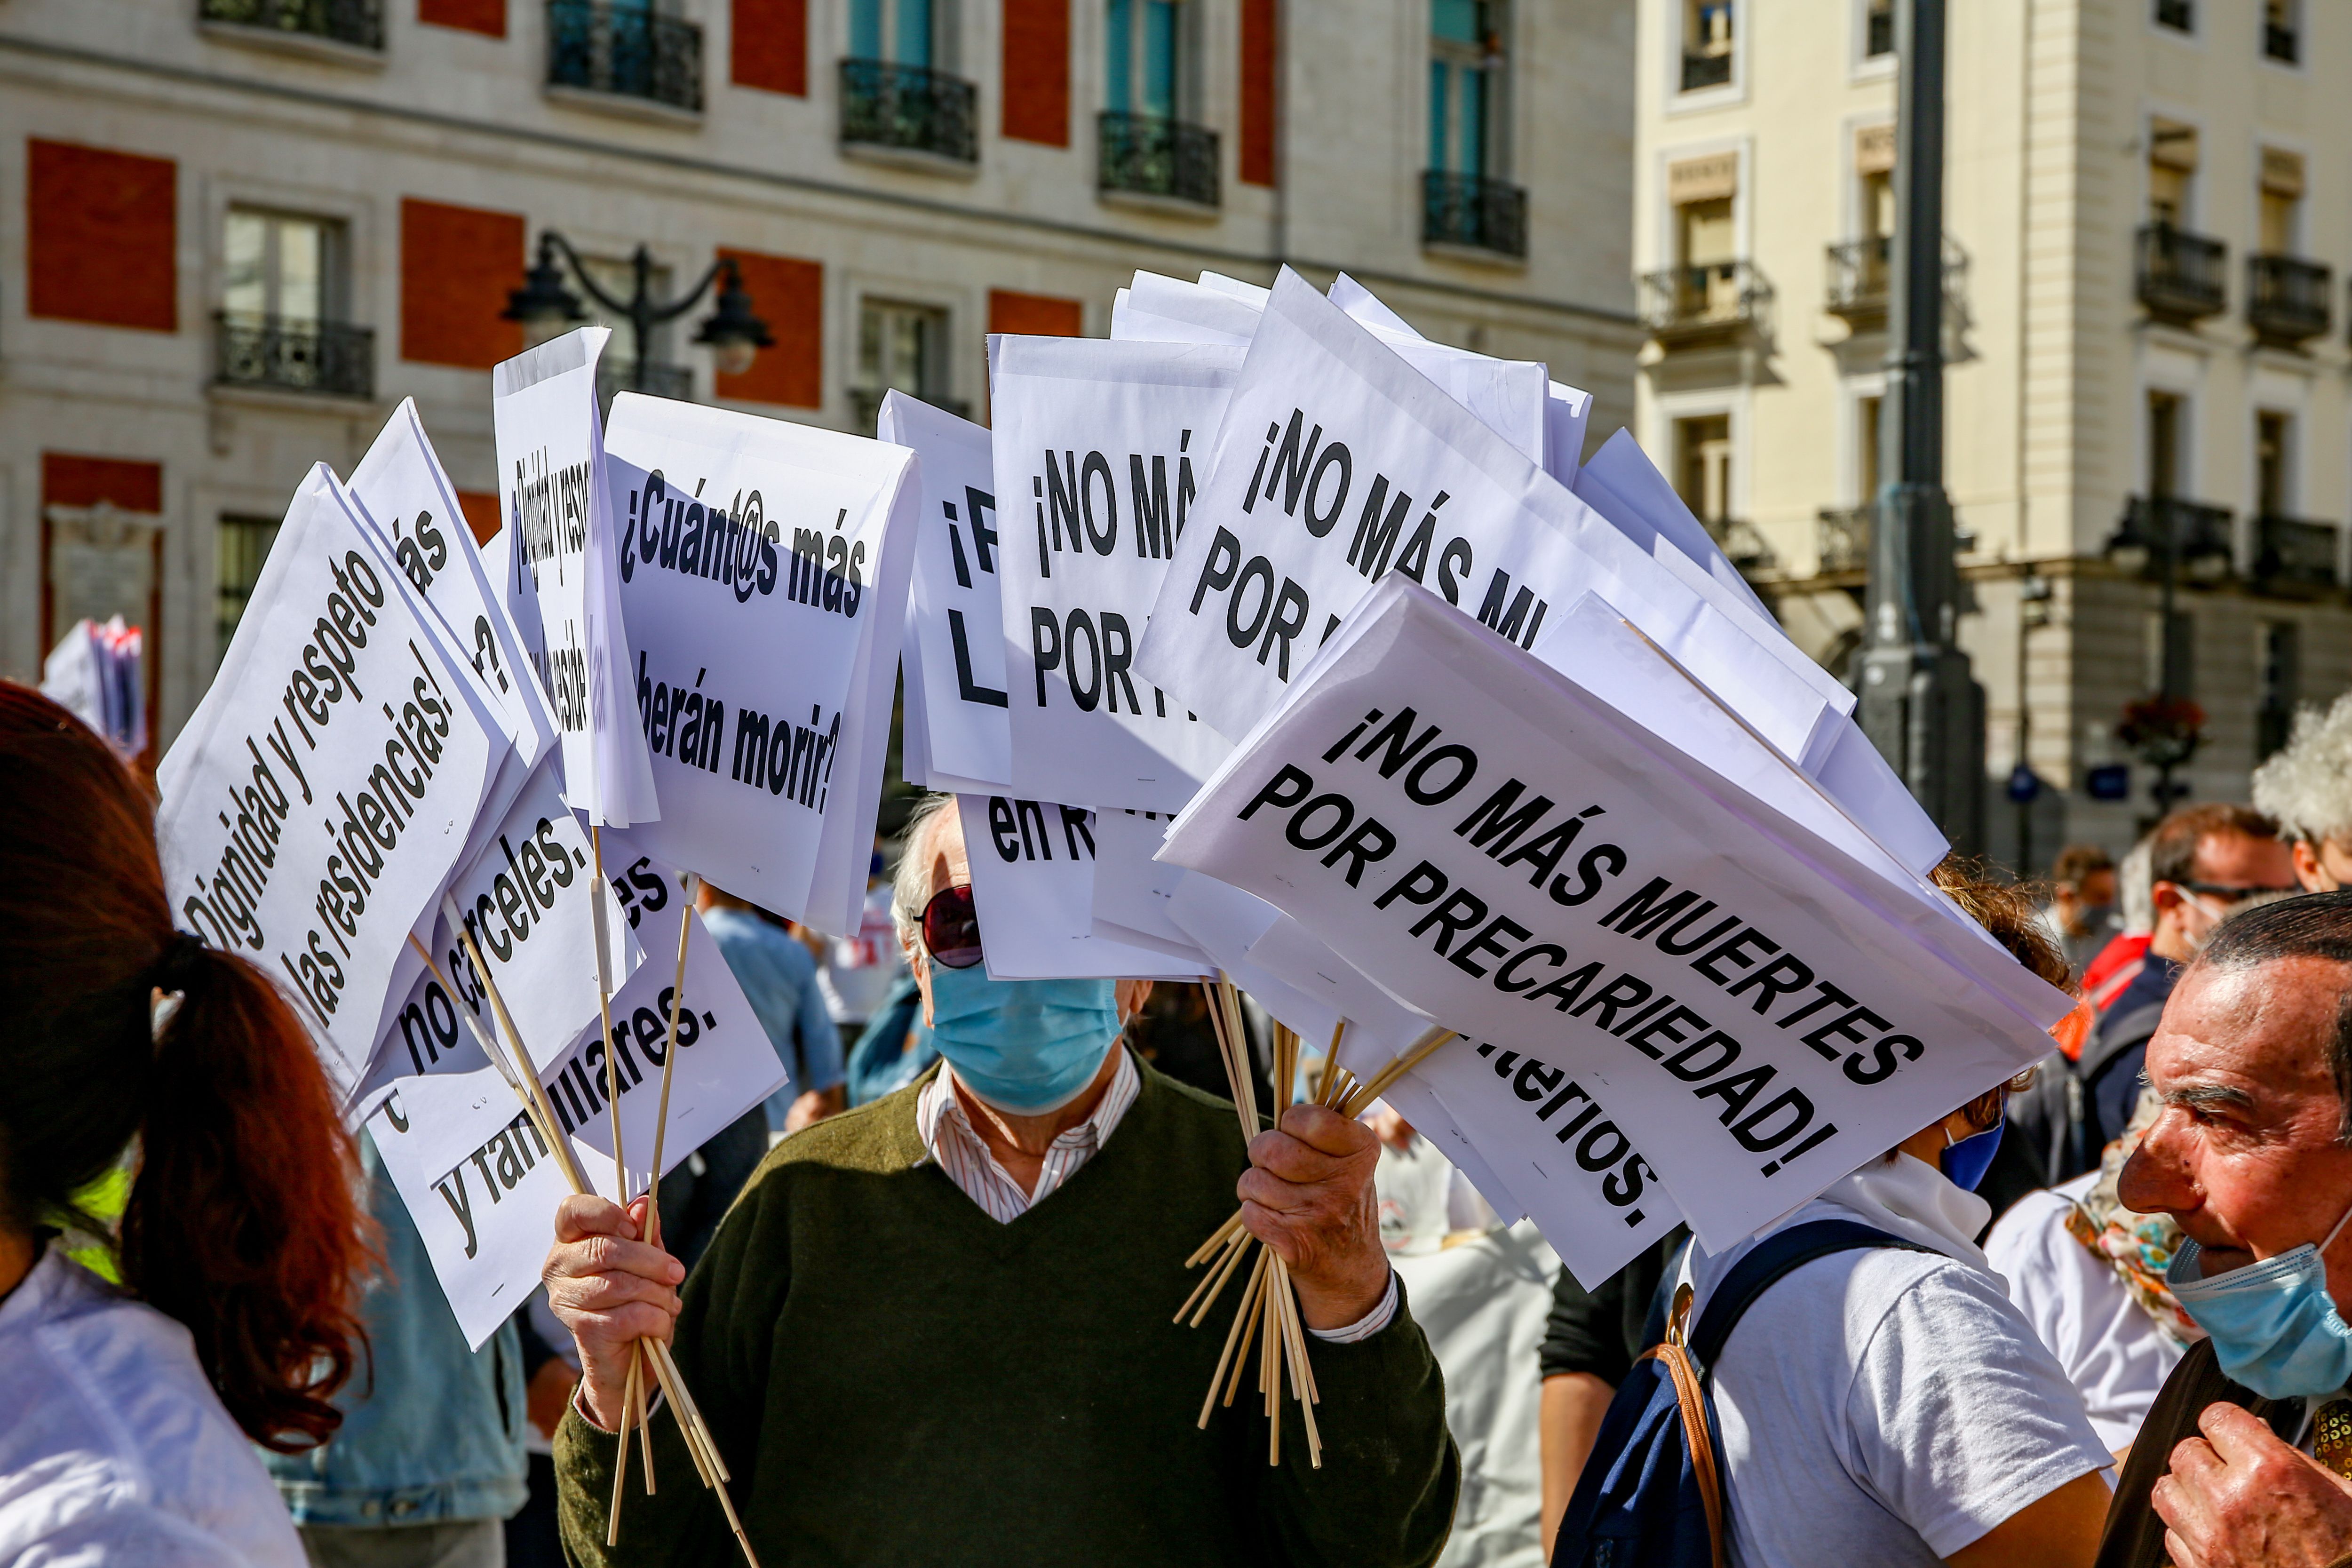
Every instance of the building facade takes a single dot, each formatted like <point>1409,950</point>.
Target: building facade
<point>2147,203</point>
<point>238,232</point>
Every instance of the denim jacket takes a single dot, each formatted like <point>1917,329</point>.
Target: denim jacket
<point>432,1432</point>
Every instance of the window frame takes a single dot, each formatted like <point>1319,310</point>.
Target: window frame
<point>1496,155</point>
<point>1188,92</point>
<point>1680,100</point>
<point>334,262</point>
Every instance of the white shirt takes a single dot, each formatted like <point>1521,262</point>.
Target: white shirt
<point>2111,1350</point>
<point>114,1450</point>
<point>1888,1406</point>
<point>947,1132</point>
<point>858,971</point>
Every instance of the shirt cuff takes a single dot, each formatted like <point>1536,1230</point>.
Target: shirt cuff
<point>1370,1323</point>
<point>654,1405</point>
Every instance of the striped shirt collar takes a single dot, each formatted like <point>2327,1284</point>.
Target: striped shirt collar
<point>950,1138</point>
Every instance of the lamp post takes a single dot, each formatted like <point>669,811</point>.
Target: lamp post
<point>2167,730</point>
<point>545,307</point>
<point>1920,704</point>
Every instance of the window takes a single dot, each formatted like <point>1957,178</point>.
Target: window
<point>2278,670</point>
<point>242,544</point>
<point>2178,14</point>
<point>1150,46</point>
<point>2282,201</point>
<point>2171,166</point>
<point>283,267</point>
<point>2164,420</point>
<point>1703,466</point>
<point>903,32</point>
<point>1706,44</point>
<point>1466,81</point>
<point>1878,28</point>
<point>2282,31</point>
<point>903,347</point>
<point>2273,432</point>
<point>1866,442</point>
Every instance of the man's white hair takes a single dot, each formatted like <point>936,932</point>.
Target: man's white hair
<point>2308,786</point>
<point>910,889</point>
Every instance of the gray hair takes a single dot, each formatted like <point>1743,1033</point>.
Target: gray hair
<point>910,888</point>
<point>2308,786</point>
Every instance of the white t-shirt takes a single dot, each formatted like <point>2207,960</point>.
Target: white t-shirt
<point>859,971</point>
<point>114,1451</point>
<point>2113,1352</point>
<point>1888,1406</point>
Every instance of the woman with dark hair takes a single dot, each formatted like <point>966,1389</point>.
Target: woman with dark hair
<point>125,1410</point>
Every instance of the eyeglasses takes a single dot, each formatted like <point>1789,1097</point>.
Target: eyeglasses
<point>2234,893</point>
<point>951,929</point>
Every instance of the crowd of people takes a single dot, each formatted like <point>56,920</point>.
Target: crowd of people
<point>921,1296</point>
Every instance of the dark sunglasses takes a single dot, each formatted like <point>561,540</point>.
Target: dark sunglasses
<point>951,929</point>
<point>2232,893</point>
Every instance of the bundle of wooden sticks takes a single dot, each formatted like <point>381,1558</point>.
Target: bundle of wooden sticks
<point>1270,1310</point>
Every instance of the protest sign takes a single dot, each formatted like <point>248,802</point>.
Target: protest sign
<point>562,590</point>
<point>532,924</point>
<point>1379,470</point>
<point>1623,486</point>
<point>1099,442</point>
<point>94,674</point>
<point>1131,888</point>
<point>1519,858</point>
<point>957,732</point>
<point>316,802</point>
<point>479,1180</point>
<point>763,571</point>
<point>1033,870</point>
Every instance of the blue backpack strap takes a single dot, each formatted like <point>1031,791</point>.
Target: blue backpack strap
<point>1771,1258</point>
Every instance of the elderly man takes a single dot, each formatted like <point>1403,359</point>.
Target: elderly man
<point>936,1329</point>
<point>2244,1459</point>
<point>2308,788</point>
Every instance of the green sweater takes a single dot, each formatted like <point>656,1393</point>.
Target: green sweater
<point>894,1378</point>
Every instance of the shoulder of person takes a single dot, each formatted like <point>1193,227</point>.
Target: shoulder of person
<point>2026,1229</point>
<point>875,1138</point>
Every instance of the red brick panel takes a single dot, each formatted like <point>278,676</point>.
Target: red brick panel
<point>1037,71</point>
<point>1257,91</point>
<point>102,231</point>
<point>481,509</point>
<point>1041,315</point>
<point>456,266</point>
<point>771,45</point>
<point>787,293</point>
<point>67,480</point>
<point>473,15</point>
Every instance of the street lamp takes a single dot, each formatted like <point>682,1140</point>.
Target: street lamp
<point>546,307</point>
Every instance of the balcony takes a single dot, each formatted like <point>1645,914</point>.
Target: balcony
<point>1473,212</point>
<point>354,24</point>
<point>910,109</point>
<point>1843,541</point>
<point>1706,68</point>
<point>1690,307</point>
<point>2197,537</point>
<point>624,54</point>
<point>1150,155</point>
<point>865,406</point>
<point>2179,274</point>
<point>2295,556</point>
<point>271,353</point>
<point>2282,43</point>
<point>2286,300</point>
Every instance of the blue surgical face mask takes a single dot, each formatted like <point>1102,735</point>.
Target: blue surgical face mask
<point>1966,1160</point>
<point>2273,1325</point>
<point>1026,1047</point>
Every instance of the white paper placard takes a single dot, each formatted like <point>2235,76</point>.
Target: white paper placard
<point>1131,888</point>
<point>562,590</point>
<point>1515,857</point>
<point>1097,445</point>
<point>763,570</point>
<point>318,799</point>
<point>1032,872</point>
<point>957,733</point>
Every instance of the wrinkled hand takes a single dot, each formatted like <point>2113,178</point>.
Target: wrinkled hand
<point>610,1290</point>
<point>2238,1497</point>
<point>1308,1196</point>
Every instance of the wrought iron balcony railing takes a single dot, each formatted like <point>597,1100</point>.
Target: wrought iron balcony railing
<point>2180,274</point>
<point>1861,282</point>
<point>2197,537</point>
<point>2286,298</point>
<point>1844,542</point>
<point>1682,305</point>
<point>1706,68</point>
<point>910,108</point>
<point>293,356</point>
<point>625,52</point>
<point>1150,155</point>
<point>359,23</point>
<point>1472,210</point>
<point>2291,552</point>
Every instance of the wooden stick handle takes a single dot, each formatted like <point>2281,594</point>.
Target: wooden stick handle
<point>604,1010</point>
<point>669,1057</point>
